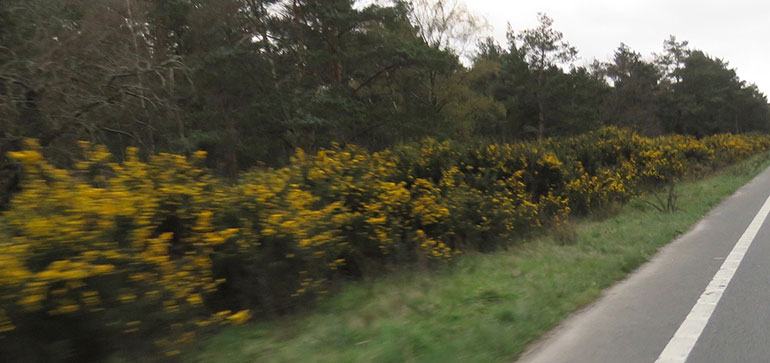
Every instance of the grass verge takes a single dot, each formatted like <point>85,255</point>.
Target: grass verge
<point>486,307</point>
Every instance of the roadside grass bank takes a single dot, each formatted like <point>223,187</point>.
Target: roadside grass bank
<point>484,307</point>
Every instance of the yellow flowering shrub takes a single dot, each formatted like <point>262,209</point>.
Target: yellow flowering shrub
<point>730,148</point>
<point>126,246</point>
<point>155,249</point>
<point>336,212</point>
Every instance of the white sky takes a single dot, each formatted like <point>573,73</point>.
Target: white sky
<point>736,31</point>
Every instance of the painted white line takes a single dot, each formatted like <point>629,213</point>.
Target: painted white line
<point>680,346</point>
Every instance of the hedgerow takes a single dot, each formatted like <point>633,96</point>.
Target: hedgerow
<point>109,255</point>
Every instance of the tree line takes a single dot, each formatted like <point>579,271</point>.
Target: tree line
<point>251,81</point>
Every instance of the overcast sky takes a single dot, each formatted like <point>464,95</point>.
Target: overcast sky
<point>737,31</point>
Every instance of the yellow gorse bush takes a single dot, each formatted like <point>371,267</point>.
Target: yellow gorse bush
<point>111,240</point>
<point>158,246</point>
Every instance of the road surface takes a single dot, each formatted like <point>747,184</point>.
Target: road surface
<point>703,298</point>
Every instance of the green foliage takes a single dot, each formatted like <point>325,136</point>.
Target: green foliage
<point>251,81</point>
<point>486,307</point>
<point>712,99</point>
<point>123,253</point>
<point>634,100</point>
<point>292,85</point>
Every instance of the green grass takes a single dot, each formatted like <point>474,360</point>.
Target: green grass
<point>485,307</point>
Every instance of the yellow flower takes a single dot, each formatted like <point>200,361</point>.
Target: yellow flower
<point>239,317</point>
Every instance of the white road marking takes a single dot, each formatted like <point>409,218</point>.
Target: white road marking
<point>680,346</point>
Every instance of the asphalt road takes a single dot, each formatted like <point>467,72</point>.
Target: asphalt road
<point>636,319</point>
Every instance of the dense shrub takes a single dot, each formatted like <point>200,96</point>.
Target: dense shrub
<point>152,250</point>
<point>107,253</point>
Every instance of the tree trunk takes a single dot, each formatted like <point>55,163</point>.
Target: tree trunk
<point>540,107</point>
<point>541,120</point>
